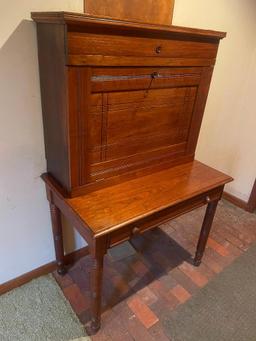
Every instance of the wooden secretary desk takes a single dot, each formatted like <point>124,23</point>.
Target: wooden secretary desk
<point>122,108</point>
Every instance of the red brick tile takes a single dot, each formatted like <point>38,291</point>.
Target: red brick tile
<point>167,227</point>
<point>81,278</point>
<point>211,263</point>
<point>173,302</point>
<point>184,280</point>
<point>193,273</point>
<point>242,234</point>
<point>139,267</point>
<point>160,307</point>
<point>162,260</point>
<point>107,316</point>
<point>221,250</point>
<point>168,281</point>
<point>78,301</point>
<point>101,336</point>
<point>222,261</point>
<point>206,271</point>
<point>142,311</point>
<point>63,281</point>
<point>180,293</point>
<point>120,284</point>
<point>185,243</point>
<point>231,238</point>
<point>113,327</point>
<point>157,332</point>
<point>160,289</point>
<point>133,325</point>
<point>233,250</point>
<point>147,295</point>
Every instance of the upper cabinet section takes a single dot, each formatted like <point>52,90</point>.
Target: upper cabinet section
<point>93,41</point>
<point>120,99</point>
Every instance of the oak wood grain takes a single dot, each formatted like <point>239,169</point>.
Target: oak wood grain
<point>152,11</point>
<point>113,207</point>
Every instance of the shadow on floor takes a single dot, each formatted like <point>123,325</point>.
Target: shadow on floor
<point>130,267</point>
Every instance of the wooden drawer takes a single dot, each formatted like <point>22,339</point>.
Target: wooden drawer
<point>158,218</point>
<point>117,45</point>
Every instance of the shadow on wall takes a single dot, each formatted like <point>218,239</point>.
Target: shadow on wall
<point>24,209</point>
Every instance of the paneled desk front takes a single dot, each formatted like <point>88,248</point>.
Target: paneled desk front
<point>122,106</point>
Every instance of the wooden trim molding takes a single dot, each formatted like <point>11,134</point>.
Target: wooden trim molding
<point>42,270</point>
<point>76,255</point>
<point>251,206</point>
<point>235,200</point>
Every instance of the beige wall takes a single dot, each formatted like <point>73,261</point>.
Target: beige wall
<point>225,141</point>
<point>25,229</point>
<point>228,136</point>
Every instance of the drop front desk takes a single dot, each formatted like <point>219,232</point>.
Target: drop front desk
<point>122,107</point>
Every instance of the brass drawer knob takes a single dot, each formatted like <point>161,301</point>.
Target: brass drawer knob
<point>135,230</point>
<point>208,199</point>
<point>158,49</point>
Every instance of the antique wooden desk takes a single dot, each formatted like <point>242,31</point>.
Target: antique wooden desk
<point>122,107</point>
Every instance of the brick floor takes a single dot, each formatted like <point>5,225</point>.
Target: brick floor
<point>153,274</point>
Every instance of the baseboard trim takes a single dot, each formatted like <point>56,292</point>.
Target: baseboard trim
<point>251,207</point>
<point>235,200</point>
<point>42,270</point>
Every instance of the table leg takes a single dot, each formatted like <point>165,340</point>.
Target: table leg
<point>96,288</point>
<point>58,238</point>
<point>205,231</point>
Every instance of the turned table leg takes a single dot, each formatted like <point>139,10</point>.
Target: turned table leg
<point>205,231</point>
<point>96,293</point>
<point>58,238</point>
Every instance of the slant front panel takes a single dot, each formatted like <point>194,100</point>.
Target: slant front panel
<point>145,123</point>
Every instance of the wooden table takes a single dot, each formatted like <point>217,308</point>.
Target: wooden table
<point>112,215</point>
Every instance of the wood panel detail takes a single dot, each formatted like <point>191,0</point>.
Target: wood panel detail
<point>153,12</point>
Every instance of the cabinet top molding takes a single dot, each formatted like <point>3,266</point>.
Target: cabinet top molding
<point>83,20</point>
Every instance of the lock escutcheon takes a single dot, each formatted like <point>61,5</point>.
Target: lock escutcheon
<point>158,49</point>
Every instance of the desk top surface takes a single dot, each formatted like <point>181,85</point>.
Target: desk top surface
<point>119,205</point>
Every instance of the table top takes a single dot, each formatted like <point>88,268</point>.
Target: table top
<point>113,207</point>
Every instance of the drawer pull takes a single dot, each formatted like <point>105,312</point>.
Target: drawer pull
<point>135,230</point>
<point>208,199</point>
<point>158,49</point>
